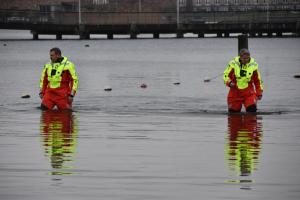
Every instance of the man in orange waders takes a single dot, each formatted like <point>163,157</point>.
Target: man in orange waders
<point>58,82</point>
<point>241,76</point>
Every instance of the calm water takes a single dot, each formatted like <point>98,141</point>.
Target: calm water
<point>163,142</point>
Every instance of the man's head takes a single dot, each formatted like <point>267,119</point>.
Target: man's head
<point>55,54</point>
<point>244,56</point>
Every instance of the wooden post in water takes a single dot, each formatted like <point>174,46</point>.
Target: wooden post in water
<point>200,35</point>
<point>58,36</point>
<point>156,35</point>
<point>242,42</point>
<point>133,31</point>
<point>35,35</point>
<point>110,36</point>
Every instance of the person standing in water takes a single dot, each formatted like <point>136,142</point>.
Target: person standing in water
<point>244,80</point>
<point>58,83</point>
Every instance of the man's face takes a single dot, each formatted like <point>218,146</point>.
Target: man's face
<point>245,58</point>
<point>54,56</point>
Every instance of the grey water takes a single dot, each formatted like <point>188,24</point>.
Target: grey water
<point>165,141</point>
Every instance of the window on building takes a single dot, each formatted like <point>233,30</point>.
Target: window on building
<point>100,2</point>
<point>182,2</point>
<point>198,2</point>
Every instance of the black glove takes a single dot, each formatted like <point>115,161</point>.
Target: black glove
<point>231,84</point>
<point>259,97</point>
<point>71,98</point>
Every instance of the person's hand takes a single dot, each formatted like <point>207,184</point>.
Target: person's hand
<point>71,98</point>
<point>259,97</point>
<point>231,84</point>
<point>41,95</point>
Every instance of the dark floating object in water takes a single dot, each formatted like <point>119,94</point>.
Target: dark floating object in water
<point>144,85</point>
<point>176,83</point>
<point>297,76</point>
<point>87,45</point>
<point>25,96</point>
<point>4,44</point>
<point>206,79</point>
<point>108,89</point>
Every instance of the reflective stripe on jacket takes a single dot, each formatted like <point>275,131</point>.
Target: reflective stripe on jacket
<point>244,76</point>
<point>59,75</point>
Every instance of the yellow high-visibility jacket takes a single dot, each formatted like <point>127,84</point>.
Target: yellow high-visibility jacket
<point>61,75</point>
<point>244,76</point>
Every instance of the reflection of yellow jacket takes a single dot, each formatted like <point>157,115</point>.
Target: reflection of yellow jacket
<point>59,130</point>
<point>243,148</point>
<point>59,75</point>
<point>242,155</point>
<point>244,76</point>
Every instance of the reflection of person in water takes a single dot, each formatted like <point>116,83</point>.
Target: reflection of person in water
<point>58,131</point>
<point>244,138</point>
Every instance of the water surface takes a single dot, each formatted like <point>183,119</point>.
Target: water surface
<point>165,141</point>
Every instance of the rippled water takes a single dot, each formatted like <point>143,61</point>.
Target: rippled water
<point>165,141</point>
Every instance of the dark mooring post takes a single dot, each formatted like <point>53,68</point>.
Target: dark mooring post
<point>58,36</point>
<point>35,35</point>
<point>243,42</point>
<point>110,36</point>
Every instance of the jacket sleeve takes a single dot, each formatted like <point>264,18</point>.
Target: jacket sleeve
<point>74,82</point>
<point>256,78</point>
<point>229,74</point>
<point>44,80</point>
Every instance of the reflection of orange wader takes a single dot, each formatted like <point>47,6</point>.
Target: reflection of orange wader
<point>57,121</point>
<point>244,123</point>
<point>58,81</point>
<point>244,77</point>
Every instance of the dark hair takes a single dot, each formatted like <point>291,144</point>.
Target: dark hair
<point>244,51</point>
<point>56,50</point>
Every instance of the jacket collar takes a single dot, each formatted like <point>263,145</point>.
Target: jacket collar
<point>61,60</point>
<point>237,60</point>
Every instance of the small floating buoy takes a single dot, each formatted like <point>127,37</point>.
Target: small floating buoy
<point>4,44</point>
<point>297,76</point>
<point>25,96</point>
<point>107,88</point>
<point>87,45</point>
<point>143,85</point>
<point>176,83</point>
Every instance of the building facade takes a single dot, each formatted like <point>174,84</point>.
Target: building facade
<point>245,5</point>
<point>150,5</point>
